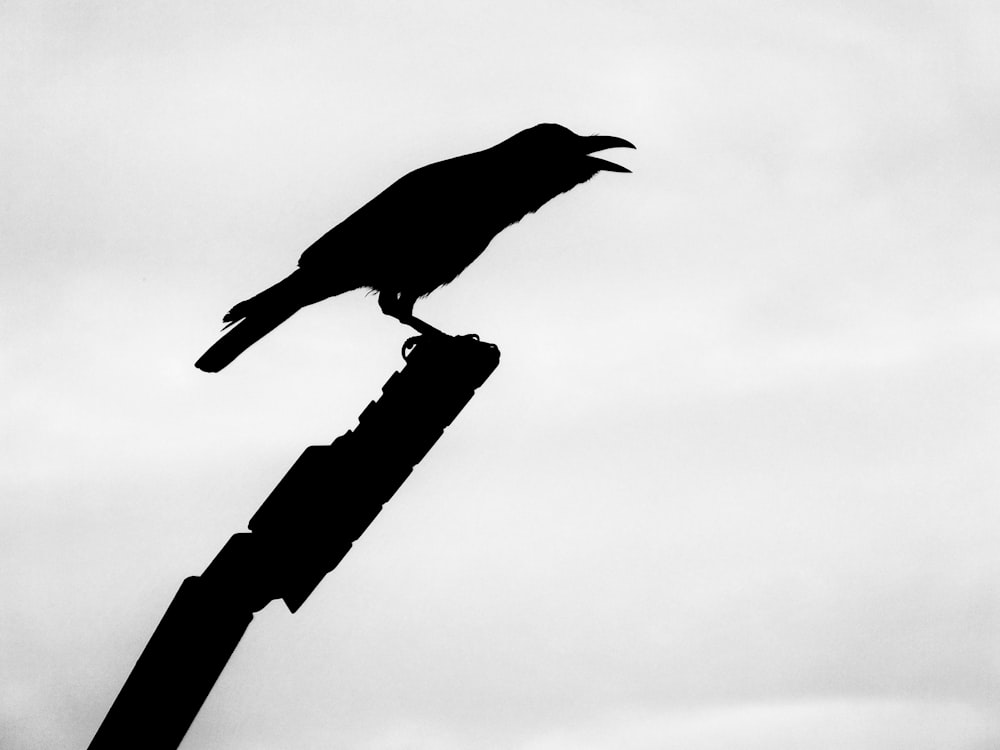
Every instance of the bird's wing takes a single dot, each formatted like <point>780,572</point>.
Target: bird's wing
<point>403,213</point>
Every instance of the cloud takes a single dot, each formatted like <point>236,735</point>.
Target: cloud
<point>830,724</point>
<point>747,400</point>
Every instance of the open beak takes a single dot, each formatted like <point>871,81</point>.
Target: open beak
<point>594,143</point>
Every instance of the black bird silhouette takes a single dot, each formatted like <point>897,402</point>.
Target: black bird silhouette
<point>422,231</point>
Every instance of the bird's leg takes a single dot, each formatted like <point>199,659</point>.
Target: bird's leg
<point>400,307</point>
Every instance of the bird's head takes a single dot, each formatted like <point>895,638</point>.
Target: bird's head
<point>550,142</point>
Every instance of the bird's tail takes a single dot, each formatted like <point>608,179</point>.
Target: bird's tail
<point>251,320</point>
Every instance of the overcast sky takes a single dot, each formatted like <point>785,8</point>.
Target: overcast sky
<point>734,485</point>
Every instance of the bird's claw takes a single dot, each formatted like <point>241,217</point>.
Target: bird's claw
<point>408,346</point>
<point>411,342</point>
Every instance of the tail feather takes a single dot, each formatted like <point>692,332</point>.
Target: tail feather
<point>251,320</point>
<point>248,332</point>
<point>242,309</point>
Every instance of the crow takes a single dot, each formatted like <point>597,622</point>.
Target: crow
<point>422,231</point>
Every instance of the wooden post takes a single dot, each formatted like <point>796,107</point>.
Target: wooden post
<point>301,532</point>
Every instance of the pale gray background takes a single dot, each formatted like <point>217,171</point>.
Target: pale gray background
<point>735,482</point>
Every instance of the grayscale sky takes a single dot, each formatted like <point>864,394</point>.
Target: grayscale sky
<point>734,485</point>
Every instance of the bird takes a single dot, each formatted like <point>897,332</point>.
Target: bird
<point>422,231</point>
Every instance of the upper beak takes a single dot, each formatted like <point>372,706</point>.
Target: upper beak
<point>594,143</point>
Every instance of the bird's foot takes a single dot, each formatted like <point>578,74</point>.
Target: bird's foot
<point>411,342</point>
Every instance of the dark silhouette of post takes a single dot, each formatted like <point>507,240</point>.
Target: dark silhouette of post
<point>301,532</point>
